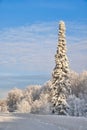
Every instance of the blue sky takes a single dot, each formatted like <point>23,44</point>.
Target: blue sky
<point>21,12</point>
<point>28,35</point>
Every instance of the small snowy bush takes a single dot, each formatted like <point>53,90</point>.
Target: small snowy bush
<point>77,106</point>
<point>14,98</point>
<point>3,106</point>
<point>24,107</point>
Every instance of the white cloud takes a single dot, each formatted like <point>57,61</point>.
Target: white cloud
<point>77,45</point>
<point>28,45</point>
<point>32,47</point>
<point>78,56</point>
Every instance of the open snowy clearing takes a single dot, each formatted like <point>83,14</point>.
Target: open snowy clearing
<point>41,122</point>
<point>6,117</point>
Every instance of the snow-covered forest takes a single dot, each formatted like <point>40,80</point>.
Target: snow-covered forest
<point>36,99</point>
<point>64,94</point>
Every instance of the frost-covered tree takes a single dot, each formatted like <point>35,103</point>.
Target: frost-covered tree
<point>41,105</point>
<point>32,93</point>
<point>13,99</point>
<point>3,106</point>
<point>79,84</point>
<point>60,77</point>
<point>24,106</point>
<point>77,106</point>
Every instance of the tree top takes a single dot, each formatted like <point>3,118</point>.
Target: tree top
<point>62,25</point>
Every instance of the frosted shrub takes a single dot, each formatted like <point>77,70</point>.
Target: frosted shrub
<point>14,98</point>
<point>24,107</point>
<point>77,106</point>
<point>42,105</point>
<point>32,93</point>
<point>79,84</point>
<point>83,85</point>
<point>3,106</point>
<point>44,98</point>
<point>36,106</point>
<point>31,98</point>
<point>78,99</point>
<point>74,79</point>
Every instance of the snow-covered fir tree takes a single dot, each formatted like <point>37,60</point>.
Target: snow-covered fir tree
<point>60,88</point>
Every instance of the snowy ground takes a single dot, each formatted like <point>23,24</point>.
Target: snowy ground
<point>41,122</point>
<point>4,117</point>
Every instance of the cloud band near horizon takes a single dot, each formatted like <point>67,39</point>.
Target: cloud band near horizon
<point>32,48</point>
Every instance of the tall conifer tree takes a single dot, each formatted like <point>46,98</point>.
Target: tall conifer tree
<point>60,88</point>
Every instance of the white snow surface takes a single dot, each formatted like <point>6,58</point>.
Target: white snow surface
<point>41,122</point>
